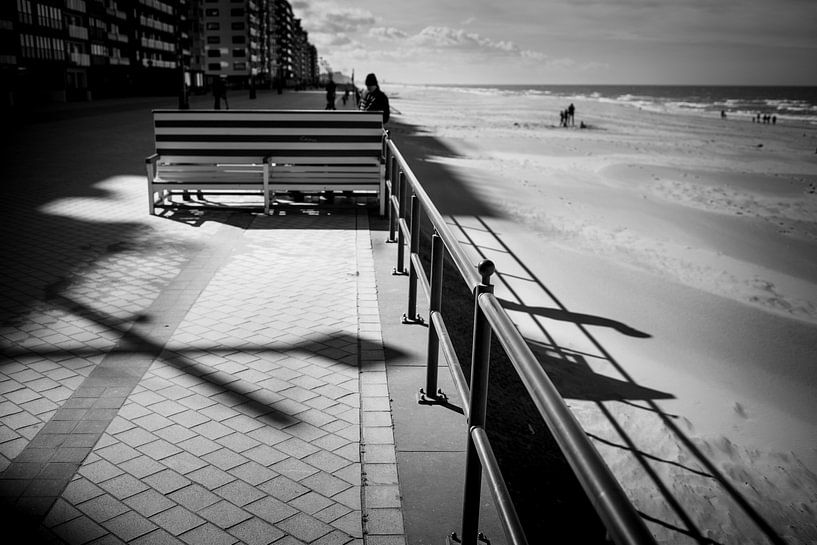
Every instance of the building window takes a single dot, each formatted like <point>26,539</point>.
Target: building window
<point>213,26</point>
<point>238,39</point>
<point>214,66</point>
<point>213,39</point>
<point>237,12</point>
<point>239,52</point>
<point>239,66</point>
<point>213,53</point>
<point>238,26</point>
<point>211,12</point>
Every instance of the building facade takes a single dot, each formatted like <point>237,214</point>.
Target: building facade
<point>68,50</point>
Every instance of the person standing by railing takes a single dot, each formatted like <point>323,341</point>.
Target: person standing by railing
<point>375,99</point>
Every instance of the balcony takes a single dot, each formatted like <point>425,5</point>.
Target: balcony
<point>75,5</point>
<point>78,32</point>
<point>80,59</point>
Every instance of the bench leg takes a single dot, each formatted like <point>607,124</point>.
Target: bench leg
<point>266,189</point>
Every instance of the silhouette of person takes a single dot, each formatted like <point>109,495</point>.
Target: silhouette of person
<point>375,99</point>
<point>571,113</point>
<point>774,120</point>
<point>220,93</point>
<point>330,94</point>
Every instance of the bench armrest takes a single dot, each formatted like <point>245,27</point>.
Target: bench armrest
<point>152,158</point>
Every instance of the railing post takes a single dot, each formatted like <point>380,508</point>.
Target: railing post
<point>480,361</point>
<point>394,192</point>
<point>434,305</point>
<point>401,237</point>
<point>414,249</point>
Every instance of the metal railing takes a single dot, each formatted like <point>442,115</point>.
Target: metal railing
<point>407,200</point>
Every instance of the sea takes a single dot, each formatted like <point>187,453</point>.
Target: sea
<point>792,103</point>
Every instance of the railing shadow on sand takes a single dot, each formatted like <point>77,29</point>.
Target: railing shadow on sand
<point>413,220</point>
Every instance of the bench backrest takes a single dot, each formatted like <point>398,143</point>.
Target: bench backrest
<point>283,136</point>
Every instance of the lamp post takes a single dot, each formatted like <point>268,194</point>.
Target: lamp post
<point>183,102</point>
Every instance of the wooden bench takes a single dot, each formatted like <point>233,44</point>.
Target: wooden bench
<point>265,151</point>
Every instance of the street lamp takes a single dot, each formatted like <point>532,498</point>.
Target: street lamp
<point>183,102</point>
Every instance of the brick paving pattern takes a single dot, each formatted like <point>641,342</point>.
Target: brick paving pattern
<point>208,377</point>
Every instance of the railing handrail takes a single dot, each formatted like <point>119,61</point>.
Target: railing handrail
<point>466,268</point>
<point>622,521</point>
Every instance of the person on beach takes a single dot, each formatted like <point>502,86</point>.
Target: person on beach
<point>220,93</point>
<point>330,94</point>
<point>375,99</point>
<point>571,113</point>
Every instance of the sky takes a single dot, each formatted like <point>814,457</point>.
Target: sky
<point>670,42</point>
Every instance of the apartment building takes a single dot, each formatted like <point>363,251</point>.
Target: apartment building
<point>65,50</point>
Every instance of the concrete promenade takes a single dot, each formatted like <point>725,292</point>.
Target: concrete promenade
<point>209,375</point>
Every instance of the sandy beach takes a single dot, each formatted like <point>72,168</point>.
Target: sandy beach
<point>664,267</point>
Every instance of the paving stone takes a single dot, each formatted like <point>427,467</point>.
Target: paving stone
<point>129,526</point>
<point>350,524</point>
<point>326,461</point>
<point>102,508</point>
<point>326,484</point>
<point>225,459</point>
<point>166,481</point>
<point>208,533</point>
<point>294,469</point>
<point>304,527</point>
<point>270,509</point>
<point>100,471</point>
<point>157,537</point>
<point>224,514</point>
<point>194,497</point>
<point>149,502</point>
<point>210,477</point>
<point>123,486</point>
<point>283,488</point>
<point>256,532</point>
<point>79,530</point>
<point>335,537</point>
<point>184,462</point>
<point>177,520</point>
<point>384,521</point>
<point>141,467</point>
<point>62,511</point>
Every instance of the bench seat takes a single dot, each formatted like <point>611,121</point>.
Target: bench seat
<point>265,151</point>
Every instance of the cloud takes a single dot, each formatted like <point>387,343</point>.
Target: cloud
<point>329,18</point>
<point>389,33</point>
<point>442,38</point>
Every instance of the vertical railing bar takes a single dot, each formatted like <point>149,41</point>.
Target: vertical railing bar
<point>414,249</point>
<point>478,403</point>
<point>401,214</point>
<point>389,184</point>
<point>394,189</point>
<point>435,299</point>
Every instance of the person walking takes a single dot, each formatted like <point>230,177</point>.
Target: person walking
<point>571,114</point>
<point>330,94</point>
<point>375,99</point>
<point>220,93</point>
